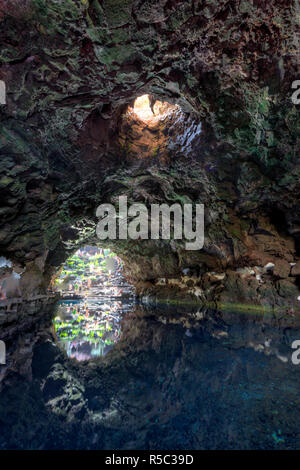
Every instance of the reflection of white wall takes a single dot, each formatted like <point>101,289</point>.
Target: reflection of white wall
<point>2,92</point>
<point>2,353</point>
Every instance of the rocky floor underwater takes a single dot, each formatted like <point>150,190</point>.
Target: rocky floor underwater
<point>174,380</point>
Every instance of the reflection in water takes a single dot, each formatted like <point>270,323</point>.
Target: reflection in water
<point>174,380</point>
<point>88,328</point>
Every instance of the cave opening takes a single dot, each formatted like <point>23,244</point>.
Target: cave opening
<point>95,295</point>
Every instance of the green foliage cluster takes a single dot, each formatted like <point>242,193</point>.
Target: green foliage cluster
<point>75,330</point>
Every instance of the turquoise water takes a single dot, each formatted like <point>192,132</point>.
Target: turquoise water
<point>173,380</point>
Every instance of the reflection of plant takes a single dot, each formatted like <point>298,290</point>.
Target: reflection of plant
<point>83,324</point>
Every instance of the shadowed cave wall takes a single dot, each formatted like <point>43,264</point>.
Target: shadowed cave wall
<point>68,143</point>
